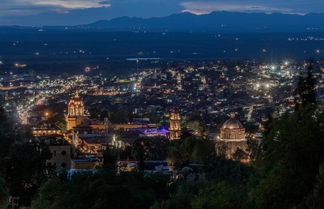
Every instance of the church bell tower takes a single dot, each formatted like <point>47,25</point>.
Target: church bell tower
<point>76,112</point>
<point>175,127</point>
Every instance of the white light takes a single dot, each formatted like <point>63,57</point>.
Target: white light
<point>273,67</point>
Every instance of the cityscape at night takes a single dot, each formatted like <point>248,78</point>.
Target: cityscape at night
<point>152,104</point>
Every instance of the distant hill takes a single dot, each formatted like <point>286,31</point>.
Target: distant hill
<point>230,22</point>
<point>214,22</point>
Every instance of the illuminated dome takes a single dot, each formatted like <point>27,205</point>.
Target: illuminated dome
<point>232,123</point>
<point>232,130</point>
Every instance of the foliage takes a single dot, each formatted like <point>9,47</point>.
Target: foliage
<point>22,164</point>
<point>315,200</point>
<point>290,159</point>
<point>6,137</point>
<point>180,199</point>
<point>3,194</point>
<point>191,150</point>
<point>305,94</point>
<point>225,187</point>
<point>26,169</point>
<point>221,195</point>
<point>112,155</point>
<point>102,190</point>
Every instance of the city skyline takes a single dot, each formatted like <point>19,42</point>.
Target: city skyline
<point>161,104</point>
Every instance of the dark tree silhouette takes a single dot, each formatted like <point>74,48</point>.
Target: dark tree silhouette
<point>6,137</point>
<point>305,93</point>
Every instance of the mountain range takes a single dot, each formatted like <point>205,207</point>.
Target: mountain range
<point>214,22</point>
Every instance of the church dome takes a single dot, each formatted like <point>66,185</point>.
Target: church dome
<point>232,123</point>
<point>232,130</point>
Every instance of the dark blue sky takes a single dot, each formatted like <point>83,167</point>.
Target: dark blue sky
<point>71,12</point>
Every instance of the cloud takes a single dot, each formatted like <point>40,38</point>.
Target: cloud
<point>33,7</point>
<point>205,7</point>
<point>72,4</point>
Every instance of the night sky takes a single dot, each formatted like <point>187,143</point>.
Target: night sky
<point>71,12</point>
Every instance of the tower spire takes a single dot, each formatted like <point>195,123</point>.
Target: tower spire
<point>175,127</point>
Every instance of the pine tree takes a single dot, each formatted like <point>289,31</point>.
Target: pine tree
<point>6,136</point>
<point>305,93</point>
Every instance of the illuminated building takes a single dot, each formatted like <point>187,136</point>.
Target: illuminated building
<point>76,113</point>
<point>175,127</point>
<point>231,141</point>
<point>46,131</point>
<point>232,130</point>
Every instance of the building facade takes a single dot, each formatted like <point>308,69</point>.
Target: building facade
<point>175,126</point>
<point>76,113</point>
<point>231,141</point>
<point>61,156</point>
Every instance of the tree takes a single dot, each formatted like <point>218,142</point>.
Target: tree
<point>139,153</point>
<point>6,137</point>
<point>22,164</point>
<point>221,195</point>
<point>225,187</point>
<point>3,194</point>
<point>26,170</point>
<point>290,159</point>
<point>315,199</point>
<point>102,190</point>
<point>111,156</point>
<point>191,150</point>
<point>305,92</point>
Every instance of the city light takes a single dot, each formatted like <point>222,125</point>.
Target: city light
<point>130,112</point>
